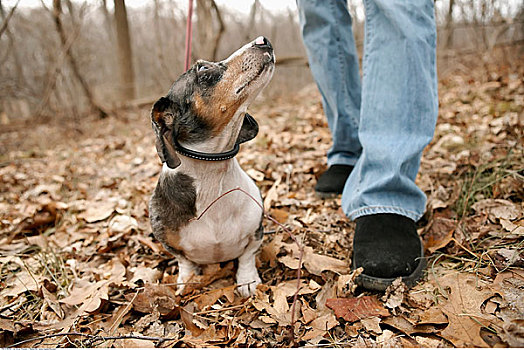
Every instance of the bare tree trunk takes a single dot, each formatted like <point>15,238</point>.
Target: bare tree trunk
<point>449,24</point>
<point>204,28</point>
<point>164,68</point>
<point>107,21</point>
<point>209,36</point>
<point>54,73</point>
<point>125,55</point>
<point>219,32</point>
<point>481,23</point>
<point>57,10</point>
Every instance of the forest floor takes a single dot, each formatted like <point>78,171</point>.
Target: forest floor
<point>79,266</point>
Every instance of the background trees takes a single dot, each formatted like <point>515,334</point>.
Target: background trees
<point>73,57</point>
<point>125,53</point>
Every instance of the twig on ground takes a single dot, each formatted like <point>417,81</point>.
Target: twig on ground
<point>464,248</point>
<point>120,317</point>
<point>441,290</point>
<point>91,337</point>
<point>218,310</point>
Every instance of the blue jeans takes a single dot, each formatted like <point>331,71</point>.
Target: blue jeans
<point>382,122</point>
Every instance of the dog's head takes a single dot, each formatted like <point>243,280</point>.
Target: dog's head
<point>210,100</point>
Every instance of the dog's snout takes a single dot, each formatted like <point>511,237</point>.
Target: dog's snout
<point>262,42</point>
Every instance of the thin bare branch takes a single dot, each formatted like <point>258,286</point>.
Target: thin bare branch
<point>57,10</point>
<point>3,28</point>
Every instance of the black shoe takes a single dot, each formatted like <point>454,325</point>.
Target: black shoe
<point>331,183</point>
<point>387,246</point>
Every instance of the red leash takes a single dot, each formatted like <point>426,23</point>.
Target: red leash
<point>189,36</point>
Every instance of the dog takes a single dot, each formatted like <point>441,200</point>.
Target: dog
<point>199,125</point>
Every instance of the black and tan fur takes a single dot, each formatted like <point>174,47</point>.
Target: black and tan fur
<point>205,111</point>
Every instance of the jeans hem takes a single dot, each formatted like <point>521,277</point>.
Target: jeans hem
<point>341,160</point>
<point>383,209</point>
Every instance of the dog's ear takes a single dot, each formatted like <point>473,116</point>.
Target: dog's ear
<point>163,120</point>
<point>249,129</point>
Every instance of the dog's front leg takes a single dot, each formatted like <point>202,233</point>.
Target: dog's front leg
<point>186,269</point>
<point>247,274</point>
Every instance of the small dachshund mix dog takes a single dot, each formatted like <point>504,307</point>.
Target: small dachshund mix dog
<point>199,126</point>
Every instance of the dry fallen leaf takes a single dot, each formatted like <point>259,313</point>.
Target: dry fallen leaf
<point>88,294</point>
<point>328,291</point>
<point>354,309</point>
<point>372,324</point>
<point>155,296</point>
<point>272,194</point>
<point>21,282</point>
<point>97,211</point>
<point>308,314</point>
<point>255,174</point>
<point>401,323</point>
<point>279,215</point>
<point>463,309</point>
<point>439,234</point>
<point>433,315</point>
<point>346,284</point>
<point>134,343</point>
<point>388,340</point>
<point>46,215</point>
<point>145,274</point>
<point>270,251</point>
<point>394,295</point>
<point>52,302</point>
<point>186,314</point>
<point>515,228</point>
<point>320,326</point>
<point>122,224</point>
<point>289,288</point>
<point>209,298</point>
<point>315,263</point>
<point>505,258</point>
<point>428,341</point>
<point>211,334</point>
<point>498,209</point>
<point>510,284</point>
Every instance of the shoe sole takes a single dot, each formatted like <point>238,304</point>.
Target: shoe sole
<point>380,284</point>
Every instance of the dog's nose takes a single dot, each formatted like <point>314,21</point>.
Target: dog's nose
<point>262,42</point>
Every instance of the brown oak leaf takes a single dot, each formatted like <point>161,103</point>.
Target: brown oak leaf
<point>354,309</point>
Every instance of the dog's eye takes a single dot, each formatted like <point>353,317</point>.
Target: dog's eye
<point>203,68</point>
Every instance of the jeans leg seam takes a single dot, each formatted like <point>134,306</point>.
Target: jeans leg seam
<point>365,67</point>
<point>340,57</point>
<point>368,39</point>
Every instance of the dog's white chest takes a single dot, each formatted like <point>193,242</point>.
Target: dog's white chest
<point>228,225</point>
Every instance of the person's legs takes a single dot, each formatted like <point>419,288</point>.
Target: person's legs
<point>399,108</point>
<point>333,59</point>
<point>398,116</point>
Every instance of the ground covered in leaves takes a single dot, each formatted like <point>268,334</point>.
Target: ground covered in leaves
<point>80,267</point>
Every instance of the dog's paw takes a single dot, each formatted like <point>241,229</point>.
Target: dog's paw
<point>247,283</point>
<point>186,270</point>
<point>181,283</point>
